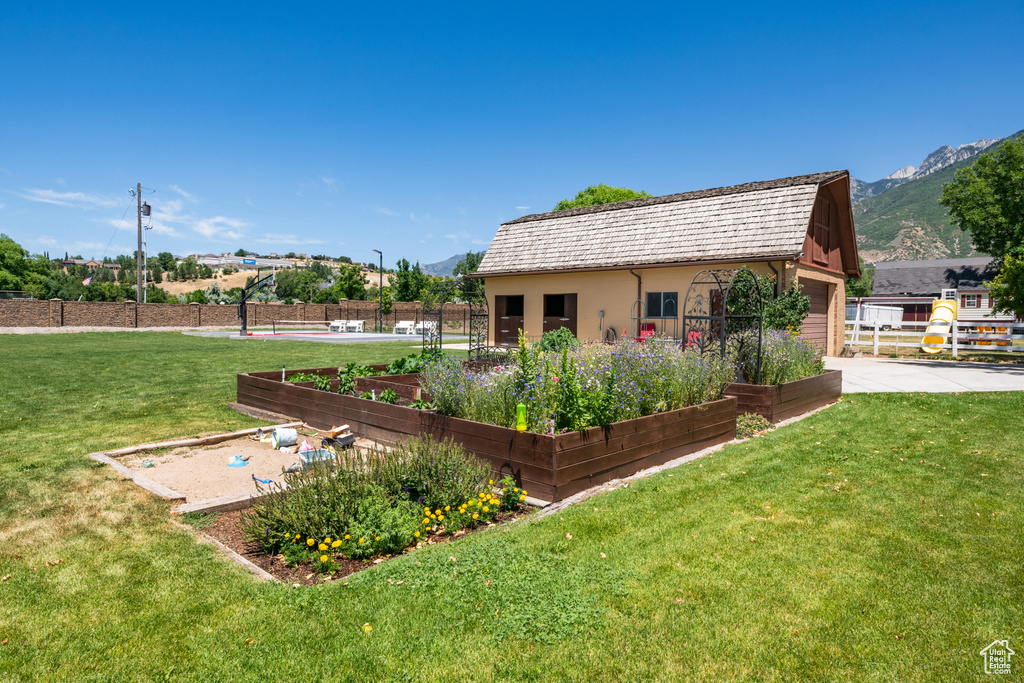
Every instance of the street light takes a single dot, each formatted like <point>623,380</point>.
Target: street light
<point>380,293</point>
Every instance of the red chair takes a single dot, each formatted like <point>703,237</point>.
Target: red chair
<point>646,331</point>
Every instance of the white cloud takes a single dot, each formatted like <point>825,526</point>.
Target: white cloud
<point>480,243</point>
<point>79,200</point>
<point>45,241</point>
<point>421,218</point>
<point>523,208</point>
<point>61,181</point>
<point>388,212</point>
<point>275,238</point>
<point>329,182</point>
<point>220,227</point>
<point>188,196</point>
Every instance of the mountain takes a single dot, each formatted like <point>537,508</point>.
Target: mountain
<point>442,268</point>
<point>941,158</point>
<point>899,218</point>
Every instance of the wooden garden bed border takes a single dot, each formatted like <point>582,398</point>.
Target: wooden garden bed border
<point>551,467</point>
<point>778,402</point>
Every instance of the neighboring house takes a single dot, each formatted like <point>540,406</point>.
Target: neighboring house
<point>585,268</point>
<point>90,264</point>
<point>913,285</point>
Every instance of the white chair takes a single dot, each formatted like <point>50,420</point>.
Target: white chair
<point>354,326</point>
<point>338,325</point>
<point>426,325</point>
<point>405,327</point>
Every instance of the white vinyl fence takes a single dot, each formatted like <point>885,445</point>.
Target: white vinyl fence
<point>961,337</point>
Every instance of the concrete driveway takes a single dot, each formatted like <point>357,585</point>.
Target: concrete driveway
<point>865,375</point>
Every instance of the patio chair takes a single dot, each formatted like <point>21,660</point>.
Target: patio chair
<point>354,326</point>
<point>337,325</point>
<point>646,331</point>
<point>405,327</point>
<point>426,325</point>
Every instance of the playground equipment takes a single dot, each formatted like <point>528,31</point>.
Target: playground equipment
<point>942,317</point>
<point>250,290</point>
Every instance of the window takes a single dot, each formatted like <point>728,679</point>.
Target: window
<point>514,306</point>
<point>662,304</point>
<point>970,301</point>
<point>554,305</point>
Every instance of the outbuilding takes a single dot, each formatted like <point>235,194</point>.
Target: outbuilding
<point>586,268</point>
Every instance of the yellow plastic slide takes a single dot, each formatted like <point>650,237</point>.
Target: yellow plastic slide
<point>943,315</point>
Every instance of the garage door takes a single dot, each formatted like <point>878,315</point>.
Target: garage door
<point>816,323</point>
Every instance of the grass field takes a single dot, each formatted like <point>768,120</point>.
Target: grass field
<point>877,540</point>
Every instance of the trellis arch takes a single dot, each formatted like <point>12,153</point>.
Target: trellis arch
<point>722,306</point>
<point>458,290</point>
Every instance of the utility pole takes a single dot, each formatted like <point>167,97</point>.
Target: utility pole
<point>138,254</point>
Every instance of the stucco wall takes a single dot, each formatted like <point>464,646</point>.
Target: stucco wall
<point>611,291</point>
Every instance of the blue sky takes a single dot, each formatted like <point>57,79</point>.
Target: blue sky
<point>418,129</point>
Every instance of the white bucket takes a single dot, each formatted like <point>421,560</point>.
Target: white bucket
<point>284,437</point>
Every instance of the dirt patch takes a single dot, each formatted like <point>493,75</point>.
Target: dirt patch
<point>202,472</point>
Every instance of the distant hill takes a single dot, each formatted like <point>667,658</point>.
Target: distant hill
<point>442,268</point>
<point>899,218</point>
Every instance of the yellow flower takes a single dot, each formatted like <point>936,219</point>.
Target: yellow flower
<point>437,511</point>
<point>367,628</point>
<point>377,537</point>
<point>322,547</point>
<point>310,541</point>
<point>447,508</point>
<point>441,518</point>
<point>487,509</point>
<point>287,535</point>
<point>426,521</point>
<point>336,544</point>
<point>347,537</point>
<point>491,482</point>
<point>323,558</point>
<point>522,497</point>
<point>416,534</point>
<point>294,540</point>
<point>360,540</point>
<point>327,540</point>
<point>475,515</point>
<point>516,490</point>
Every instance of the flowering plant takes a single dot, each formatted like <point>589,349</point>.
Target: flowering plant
<point>575,388</point>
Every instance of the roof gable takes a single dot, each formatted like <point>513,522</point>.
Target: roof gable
<point>755,221</point>
<point>929,278</point>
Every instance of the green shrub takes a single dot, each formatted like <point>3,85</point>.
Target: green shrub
<point>751,424</point>
<point>785,357</point>
<point>431,473</point>
<point>559,339</point>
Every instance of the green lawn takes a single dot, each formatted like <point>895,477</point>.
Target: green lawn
<point>877,540</point>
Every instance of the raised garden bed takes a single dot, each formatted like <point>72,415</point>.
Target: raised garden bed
<point>782,401</point>
<point>551,467</point>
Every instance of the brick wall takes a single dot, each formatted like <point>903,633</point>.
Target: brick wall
<point>57,313</point>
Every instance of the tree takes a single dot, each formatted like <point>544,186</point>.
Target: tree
<point>987,199</point>
<point>410,283</point>
<point>599,194</point>
<point>241,253</point>
<point>863,285</point>
<point>167,260</point>
<point>468,263</point>
<point>1007,289</point>
<point>20,271</point>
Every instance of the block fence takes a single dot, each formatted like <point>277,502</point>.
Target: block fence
<point>128,314</point>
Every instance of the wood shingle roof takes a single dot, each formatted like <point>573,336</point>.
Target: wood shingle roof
<point>752,221</point>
